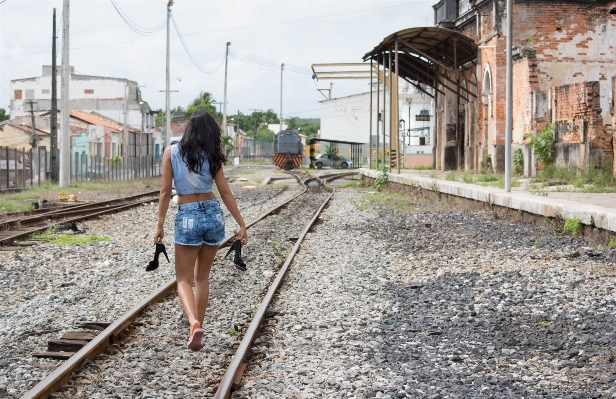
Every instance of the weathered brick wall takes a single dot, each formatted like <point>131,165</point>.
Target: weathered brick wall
<point>569,42</point>
<point>574,105</point>
<point>580,135</point>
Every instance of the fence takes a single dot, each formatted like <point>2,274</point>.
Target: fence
<point>95,168</point>
<point>16,171</point>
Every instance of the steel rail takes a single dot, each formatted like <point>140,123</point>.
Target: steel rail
<point>59,212</point>
<point>54,381</point>
<point>236,369</point>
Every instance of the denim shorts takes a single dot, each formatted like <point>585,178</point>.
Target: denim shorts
<point>198,223</point>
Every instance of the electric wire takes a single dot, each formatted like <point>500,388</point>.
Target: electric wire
<point>218,30</point>
<point>136,28</point>
<point>273,63</point>
<point>192,58</point>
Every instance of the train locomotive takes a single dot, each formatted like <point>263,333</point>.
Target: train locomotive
<point>288,149</point>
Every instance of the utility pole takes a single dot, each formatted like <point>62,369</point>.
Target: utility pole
<point>167,133</point>
<point>237,134</point>
<point>125,133</point>
<point>254,135</point>
<point>65,146</point>
<point>509,97</point>
<point>281,122</point>
<point>53,118</point>
<point>33,140</point>
<point>224,114</point>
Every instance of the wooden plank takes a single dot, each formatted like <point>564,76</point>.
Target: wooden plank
<point>81,335</point>
<point>96,324</point>
<point>66,345</point>
<point>54,355</point>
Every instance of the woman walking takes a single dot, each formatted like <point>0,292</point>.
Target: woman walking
<point>194,164</point>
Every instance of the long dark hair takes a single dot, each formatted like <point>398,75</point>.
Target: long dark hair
<point>201,140</point>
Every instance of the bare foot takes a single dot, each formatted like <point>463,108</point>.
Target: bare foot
<point>194,325</point>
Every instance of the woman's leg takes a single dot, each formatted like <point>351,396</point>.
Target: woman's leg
<point>202,276</point>
<point>185,258</point>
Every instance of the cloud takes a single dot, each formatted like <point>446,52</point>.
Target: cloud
<point>294,32</point>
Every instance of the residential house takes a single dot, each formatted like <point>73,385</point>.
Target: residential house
<point>105,96</point>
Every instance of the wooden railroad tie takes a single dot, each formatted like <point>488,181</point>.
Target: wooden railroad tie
<point>71,342</point>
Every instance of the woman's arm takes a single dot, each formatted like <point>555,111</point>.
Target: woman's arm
<point>227,198</point>
<point>165,196</point>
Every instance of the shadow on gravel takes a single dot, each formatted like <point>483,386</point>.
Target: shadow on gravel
<point>444,343</point>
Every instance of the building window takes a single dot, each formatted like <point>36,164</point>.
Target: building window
<point>463,6</point>
<point>45,91</point>
<point>17,94</point>
<point>29,94</point>
<point>88,91</point>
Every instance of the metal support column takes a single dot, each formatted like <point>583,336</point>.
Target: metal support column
<point>370,138</point>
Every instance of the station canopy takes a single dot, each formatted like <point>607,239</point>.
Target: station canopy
<point>423,50</point>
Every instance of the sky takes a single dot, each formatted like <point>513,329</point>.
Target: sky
<point>298,33</point>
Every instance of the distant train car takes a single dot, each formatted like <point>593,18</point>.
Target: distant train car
<point>288,149</point>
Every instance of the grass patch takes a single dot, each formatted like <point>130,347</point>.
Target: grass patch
<point>612,243</point>
<point>22,201</point>
<point>350,184</point>
<point>545,323</point>
<point>395,202</point>
<point>423,168</point>
<point>361,207</point>
<point>484,179</point>
<point>573,226</point>
<point>588,179</point>
<point>49,237</point>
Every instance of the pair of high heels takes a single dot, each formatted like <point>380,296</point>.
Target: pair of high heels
<point>237,258</point>
<point>153,265</point>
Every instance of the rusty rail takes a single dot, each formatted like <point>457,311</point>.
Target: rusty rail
<point>235,370</point>
<point>79,213</point>
<point>54,381</point>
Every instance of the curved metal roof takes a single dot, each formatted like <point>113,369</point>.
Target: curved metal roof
<point>422,50</point>
<point>434,42</point>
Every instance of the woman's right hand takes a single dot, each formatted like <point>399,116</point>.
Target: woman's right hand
<point>243,236</point>
<point>159,235</point>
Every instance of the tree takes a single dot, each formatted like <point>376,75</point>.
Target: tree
<point>332,150</point>
<point>160,117</point>
<point>3,116</point>
<point>227,144</point>
<point>204,101</point>
<point>293,123</point>
<point>264,134</point>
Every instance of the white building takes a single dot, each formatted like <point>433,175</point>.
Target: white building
<point>348,118</point>
<point>103,95</point>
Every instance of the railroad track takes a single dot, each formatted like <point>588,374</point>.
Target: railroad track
<point>15,227</point>
<point>111,334</point>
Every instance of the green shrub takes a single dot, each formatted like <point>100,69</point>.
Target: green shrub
<point>573,226</point>
<point>383,177</point>
<point>486,163</point>
<point>543,144</point>
<point>518,162</point>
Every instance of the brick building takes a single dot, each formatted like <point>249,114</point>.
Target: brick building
<point>564,72</point>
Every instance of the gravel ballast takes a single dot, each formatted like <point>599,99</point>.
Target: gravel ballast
<point>46,290</point>
<point>154,360</point>
<point>438,303</point>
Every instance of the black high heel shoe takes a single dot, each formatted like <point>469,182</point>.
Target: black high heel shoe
<point>237,259</point>
<point>153,265</point>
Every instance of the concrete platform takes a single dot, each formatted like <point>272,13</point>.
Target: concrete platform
<point>592,209</point>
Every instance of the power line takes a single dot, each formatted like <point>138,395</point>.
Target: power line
<point>192,58</point>
<point>2,1</point>
<point>305,87</point>
<point>268,63</point>
<point>310,18</point>
<point>221,30</point>
<point>136,28</point>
